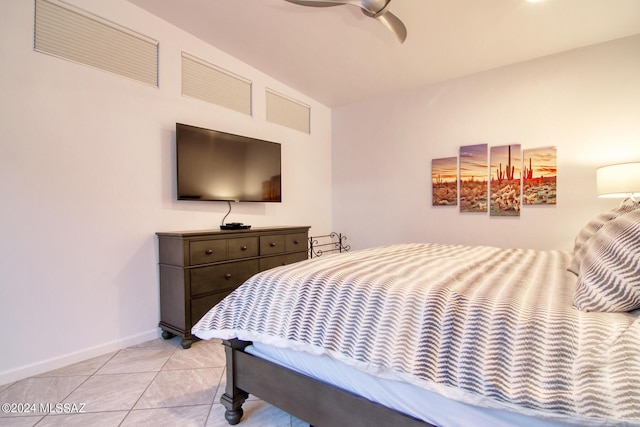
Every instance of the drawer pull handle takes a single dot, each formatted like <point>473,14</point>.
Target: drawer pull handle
<point>227,276</point>
<point>295,242</point>
<point>272,244</point>
<point>244,248</point>
<point>208,251</point>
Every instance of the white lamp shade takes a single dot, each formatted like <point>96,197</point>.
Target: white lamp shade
<point>619,181</point>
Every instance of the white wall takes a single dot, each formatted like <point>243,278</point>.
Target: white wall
<point>586,102</point>
<point>87,177</point>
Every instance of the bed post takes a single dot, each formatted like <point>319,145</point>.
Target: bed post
<point>233,397</point>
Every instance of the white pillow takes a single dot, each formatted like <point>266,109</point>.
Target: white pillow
<point>592,227</point>
<point>609,273</point>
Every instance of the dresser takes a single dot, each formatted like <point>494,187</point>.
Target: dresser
<point>199,268</point>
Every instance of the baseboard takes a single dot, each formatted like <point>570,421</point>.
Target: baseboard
<point>78,356</point>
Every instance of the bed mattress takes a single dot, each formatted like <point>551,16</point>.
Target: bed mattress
<point>397,394</point>
<point>489,327</point>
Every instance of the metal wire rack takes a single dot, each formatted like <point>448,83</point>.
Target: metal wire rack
<point>334,242</point>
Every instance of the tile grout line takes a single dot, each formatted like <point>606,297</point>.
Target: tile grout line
<point>213,401</point>
<point>79,385</point>
<point>147,387</point>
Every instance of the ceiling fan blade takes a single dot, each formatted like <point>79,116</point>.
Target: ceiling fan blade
<point>394,24</point>
<point>377,9</point>
<point>324,3</point>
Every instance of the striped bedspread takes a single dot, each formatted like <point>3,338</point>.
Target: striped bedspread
<point>487,326</point>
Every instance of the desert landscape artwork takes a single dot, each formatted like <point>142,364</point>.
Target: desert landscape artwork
<point>505,183</point>
<point>539,176</point>
<point>474,178</point>
<point>444,181</point>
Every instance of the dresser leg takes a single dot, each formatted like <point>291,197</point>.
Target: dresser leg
<point>167,335</point>
<point>186,343</point>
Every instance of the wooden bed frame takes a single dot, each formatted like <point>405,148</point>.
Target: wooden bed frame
<point>316,402</point>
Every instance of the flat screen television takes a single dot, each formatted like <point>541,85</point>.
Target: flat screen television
<point>219,166</point>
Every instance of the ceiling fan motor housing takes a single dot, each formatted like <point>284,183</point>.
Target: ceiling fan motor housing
<point>375,8</point>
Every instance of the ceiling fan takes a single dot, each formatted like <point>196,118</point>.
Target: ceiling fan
<point>378,9</point>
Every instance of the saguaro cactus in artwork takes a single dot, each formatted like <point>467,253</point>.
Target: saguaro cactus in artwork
<point>528,172</point>
<point>510,169</point>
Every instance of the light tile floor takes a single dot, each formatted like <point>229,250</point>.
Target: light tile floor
<point>153,384</point>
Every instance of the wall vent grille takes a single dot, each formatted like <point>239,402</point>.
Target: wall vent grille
<point>215,85</point>
<point>76,35</point>
<point>288,112</point>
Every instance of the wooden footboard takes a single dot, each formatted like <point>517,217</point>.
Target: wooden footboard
<point>313,401</point>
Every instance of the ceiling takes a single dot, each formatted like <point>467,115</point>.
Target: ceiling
<point>337,55</point>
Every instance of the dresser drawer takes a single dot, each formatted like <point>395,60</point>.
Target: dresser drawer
<point>243,248</point>
<point>276,261</point>
<point>296,242</point>
<point>222,276</point>
<point>207,251</point>
<point>272,244</point>
<point>200,306</point>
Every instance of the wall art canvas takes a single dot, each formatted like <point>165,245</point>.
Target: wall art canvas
<point>474,178</point>
<point>505,183</point>
<point>444,181</point>
<point>539,176</point>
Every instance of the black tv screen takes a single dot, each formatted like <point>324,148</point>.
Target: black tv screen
<point>219,166</point>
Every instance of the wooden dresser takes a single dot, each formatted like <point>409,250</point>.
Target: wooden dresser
<point>199,268</point>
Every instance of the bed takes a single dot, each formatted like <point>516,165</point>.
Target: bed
<point>443,335</point>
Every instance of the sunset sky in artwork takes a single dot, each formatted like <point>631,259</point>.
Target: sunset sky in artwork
<point>473,162</point>
<point>446,168</point>
<point>501,155</point>
<point>543,161</point>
